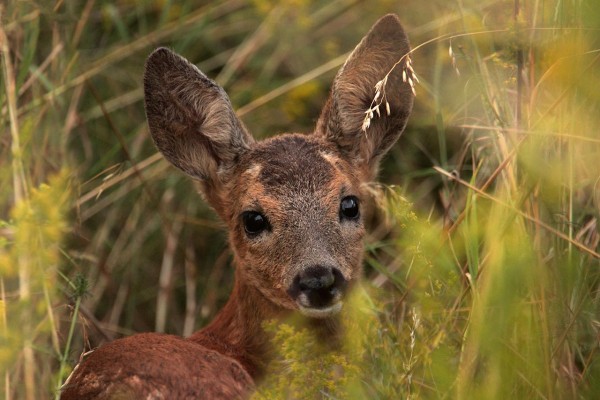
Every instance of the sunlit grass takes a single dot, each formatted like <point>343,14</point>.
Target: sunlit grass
<point>482,271</point>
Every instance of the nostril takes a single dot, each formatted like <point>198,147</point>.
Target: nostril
<point>339,280</point>
<point>317,277</point>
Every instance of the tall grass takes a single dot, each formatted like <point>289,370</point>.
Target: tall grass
<point>482,272</point>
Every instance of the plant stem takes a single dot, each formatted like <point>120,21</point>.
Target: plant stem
<point>65,355</point>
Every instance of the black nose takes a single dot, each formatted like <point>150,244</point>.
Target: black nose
<point>316,278</point>
<point>317,286</point>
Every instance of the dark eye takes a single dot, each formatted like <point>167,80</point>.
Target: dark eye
<point>349,208</point>
<point>254,222</point>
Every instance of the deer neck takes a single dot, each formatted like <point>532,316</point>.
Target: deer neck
<point>237,330</point>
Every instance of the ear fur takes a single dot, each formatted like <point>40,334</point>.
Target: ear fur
<point>353,91</point>
<point>191,118</point>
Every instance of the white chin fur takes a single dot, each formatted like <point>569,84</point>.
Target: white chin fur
<point>321,312</point>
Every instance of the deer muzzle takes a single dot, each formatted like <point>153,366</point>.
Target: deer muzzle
<point>318,291</point>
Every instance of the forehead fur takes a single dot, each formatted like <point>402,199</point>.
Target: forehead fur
<point>292,162</point>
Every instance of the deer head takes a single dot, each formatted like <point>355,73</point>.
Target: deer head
<point>292,203</point>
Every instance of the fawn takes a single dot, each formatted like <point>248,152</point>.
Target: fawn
<point>292,204</point>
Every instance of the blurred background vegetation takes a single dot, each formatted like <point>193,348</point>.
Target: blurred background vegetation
<point>482,270</point>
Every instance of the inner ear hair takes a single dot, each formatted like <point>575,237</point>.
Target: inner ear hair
<point>191,118</point>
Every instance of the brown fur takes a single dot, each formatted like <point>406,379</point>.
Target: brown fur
<point>156,366</point>
<point>296,181</point>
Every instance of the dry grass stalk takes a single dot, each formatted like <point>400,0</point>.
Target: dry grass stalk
<point>408,76</point>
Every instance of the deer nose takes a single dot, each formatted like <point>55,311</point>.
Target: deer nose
<point>314,278</point>
<point>317,286</point>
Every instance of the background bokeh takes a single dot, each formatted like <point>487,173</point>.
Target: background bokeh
<point>482,258</point>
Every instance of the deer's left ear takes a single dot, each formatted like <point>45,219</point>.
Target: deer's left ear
<point>353,92</point>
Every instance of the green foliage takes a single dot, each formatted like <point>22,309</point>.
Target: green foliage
<point>304,368</point>
<point>29,266</point>
<point>482,271</point>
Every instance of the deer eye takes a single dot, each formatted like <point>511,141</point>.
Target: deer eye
<point>254,222</point>
<point>349,208</point>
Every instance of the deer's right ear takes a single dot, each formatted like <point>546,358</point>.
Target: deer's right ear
<point>191,118</point>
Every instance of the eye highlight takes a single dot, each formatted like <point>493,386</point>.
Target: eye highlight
<point>349,208</point>
<point>254,223</point>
